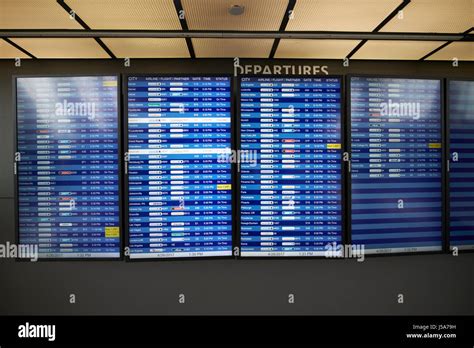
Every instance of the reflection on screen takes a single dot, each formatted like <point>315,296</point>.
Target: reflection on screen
<point>396,164</point>
<point>68,181</point>
<point>461,173</point>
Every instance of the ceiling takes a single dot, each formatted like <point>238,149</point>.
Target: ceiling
<point>368,16</point>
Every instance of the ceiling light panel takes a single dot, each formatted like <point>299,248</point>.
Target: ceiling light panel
<point>147,48</point>
<point>395,50</point>
<point>230,48</point>
<point>340,15</point>
<point>8,51</point>
<point>434,16</point>
<point>35,14</point>
<point>318,49</point>
<point>462,51</point>
<point>214,14</point>
<point>127,14</point>
<point>62,48</point>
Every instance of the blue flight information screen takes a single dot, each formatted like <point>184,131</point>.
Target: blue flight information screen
<point>179,172</point>
<point>396,164</point>
<point>291,166</point>
<point>68,166</point>
<point>461,172</point>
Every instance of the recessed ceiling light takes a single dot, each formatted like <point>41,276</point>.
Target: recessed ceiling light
<point>236,10</point>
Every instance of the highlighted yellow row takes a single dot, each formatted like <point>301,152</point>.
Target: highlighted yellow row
<point>109,83</point>
<point>112,232</point>
<point>333,146</point>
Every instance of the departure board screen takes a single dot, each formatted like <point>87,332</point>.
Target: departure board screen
<point>179,172</point>
<point>290,170</point>
<point>396,164</point>
<point>68,166</point>
<point>461,173</point>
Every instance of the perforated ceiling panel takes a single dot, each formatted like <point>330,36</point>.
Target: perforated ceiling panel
<point>319,49</point>
<point>221,48</point>
<point>395,50</point>
<point>127,14</point>
<point>456,50</point>
<point>9,51</point>
<point>340,15</point>
<point>34,14</point>
<point>437,16</point>
<point>62,48</point>
<point>214,15</point>
<point>148,48</point>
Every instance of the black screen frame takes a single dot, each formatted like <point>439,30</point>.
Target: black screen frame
<point>343,166</point>
<point>125,176</point>
<point>443,161</point>
<point>448,161</point>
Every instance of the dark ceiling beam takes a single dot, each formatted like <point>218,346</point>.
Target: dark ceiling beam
<point>79,20</point>
<point>284,23</point>
<point>380,26</point>
<point>320,35</point>
<point>444,45</point>
<point>18,47</point>
<point>184,24</point>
